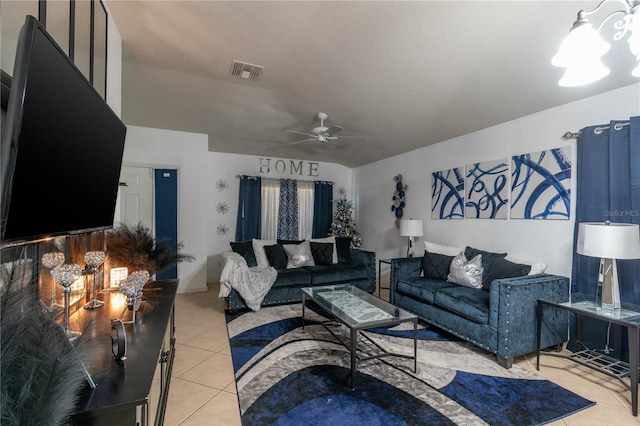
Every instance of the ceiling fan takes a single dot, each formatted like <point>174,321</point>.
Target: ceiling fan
<point>322,133</point>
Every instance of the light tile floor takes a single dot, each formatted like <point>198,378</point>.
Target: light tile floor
<point>203,392</point>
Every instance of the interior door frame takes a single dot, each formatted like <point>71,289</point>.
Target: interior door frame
<point>154,168</point>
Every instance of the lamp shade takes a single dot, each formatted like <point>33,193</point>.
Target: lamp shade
<point>584,73</point>
<point>411,228</point>
<point>609,240</point>
<point>582,44</point>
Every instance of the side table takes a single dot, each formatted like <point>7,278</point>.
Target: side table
<point>380,262</point>
<point>629,317</point>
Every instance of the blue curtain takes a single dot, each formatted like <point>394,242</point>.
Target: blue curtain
<point>248,225</point>
<point>322,209</point>
<point>608,188</point>
<point>288,210</point>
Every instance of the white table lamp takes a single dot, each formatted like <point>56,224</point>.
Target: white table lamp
<point>608,241</point>
<point>411,228</point>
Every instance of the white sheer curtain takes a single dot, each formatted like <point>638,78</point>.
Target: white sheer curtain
<point>305,210</point>
<point>270,201</point>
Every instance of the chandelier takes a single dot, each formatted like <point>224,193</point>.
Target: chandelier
<point>581,50</point>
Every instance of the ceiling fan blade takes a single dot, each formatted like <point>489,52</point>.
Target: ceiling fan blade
<point>300,141</point>
<point>349,137</point>
<point>333,130</point>
<point>300,133</point>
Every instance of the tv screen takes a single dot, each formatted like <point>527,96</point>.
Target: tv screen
<point>62,146</point>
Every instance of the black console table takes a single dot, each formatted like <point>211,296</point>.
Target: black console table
<point>629,317</point>
<point>121,394</point>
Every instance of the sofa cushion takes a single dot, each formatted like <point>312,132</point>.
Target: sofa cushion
<point>258,249</point>
<point>292,277</point>
<point>245,249</point>
<point>338,273</point>
<point>502,268</point>
<point>466,272</point>
<point>536,267</point>
<point>467,302</point>
<point>322,253</point>
<point>283,242</point>
<point>487,257</point>
<point>422,289</point>
<point>276,256</point>
<point>441,248</point>
<point>343,247</point>
<point>331,239</point>
<point>436,265</point>
<point>298,255</point>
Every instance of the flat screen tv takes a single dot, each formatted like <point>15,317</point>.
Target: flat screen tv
<point>61,149</point>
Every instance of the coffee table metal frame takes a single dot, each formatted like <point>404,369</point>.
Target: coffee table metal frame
<point>386,315</point>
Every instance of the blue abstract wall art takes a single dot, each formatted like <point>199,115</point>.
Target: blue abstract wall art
<point>487,186</point>
<point>541,184</point>
<point>447,194</point>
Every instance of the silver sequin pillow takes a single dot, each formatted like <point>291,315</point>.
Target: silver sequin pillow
<point>298,255</point>
<point>466,273</point>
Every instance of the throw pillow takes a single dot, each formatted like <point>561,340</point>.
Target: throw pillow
<point>261,255</point>
<point>283,242</point>
<point>332,240</point>
<point>436,266</point>
<point>244,249</point>
<point>536,267</point>
<point>276,256</point>
<point>487,257</point>
<point>502,268</point>
<point>466,273</point>
<point>441,249</point>
<point>343,247</point>
<point>298,255</point>
<point>322,253</point>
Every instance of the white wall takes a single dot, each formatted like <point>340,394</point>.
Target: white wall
<point>227,167</point>
<point>547,240</point>
<point>198,172</point>
<point>186,152</point>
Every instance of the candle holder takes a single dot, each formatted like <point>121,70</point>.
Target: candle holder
<point>51,260</point>
<point>65,275</point>
<point>93,259</point>
<point>132,289</point>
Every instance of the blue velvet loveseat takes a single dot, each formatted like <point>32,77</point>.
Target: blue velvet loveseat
<point>354,266</point>
<point>500,318</point>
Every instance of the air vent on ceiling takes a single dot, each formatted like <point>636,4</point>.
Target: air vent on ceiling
<point>246,71</point>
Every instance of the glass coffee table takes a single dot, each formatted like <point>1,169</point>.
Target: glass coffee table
<point>358,310</point>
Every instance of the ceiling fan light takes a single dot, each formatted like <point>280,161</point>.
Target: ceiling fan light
<point>584,73</point>
<point>582,44</point>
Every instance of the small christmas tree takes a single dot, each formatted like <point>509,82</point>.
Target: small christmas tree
<point>343,224</point>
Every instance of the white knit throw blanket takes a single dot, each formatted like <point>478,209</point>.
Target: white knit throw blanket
<point>253,284</point>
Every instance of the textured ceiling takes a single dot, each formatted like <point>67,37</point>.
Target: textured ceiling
<point>403,75</point>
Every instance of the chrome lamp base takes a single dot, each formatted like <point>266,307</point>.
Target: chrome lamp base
<point>608,291</point>
<point>410,248</point>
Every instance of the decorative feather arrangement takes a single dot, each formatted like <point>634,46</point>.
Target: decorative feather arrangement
<point>137,249</point>
<point>41,374</point>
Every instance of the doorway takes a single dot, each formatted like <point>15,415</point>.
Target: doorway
<point>150,196</point>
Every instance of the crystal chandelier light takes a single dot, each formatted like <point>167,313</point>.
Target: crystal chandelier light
<point>581,50</point>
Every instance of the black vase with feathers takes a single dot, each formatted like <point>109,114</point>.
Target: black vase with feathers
<point>135,247</point>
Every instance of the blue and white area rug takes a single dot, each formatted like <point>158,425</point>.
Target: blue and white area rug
<point>289,376</point>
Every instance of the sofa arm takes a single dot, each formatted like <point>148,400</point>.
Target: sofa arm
<point>402,268</point>
<point>513,303</point>
<point>367,258</point>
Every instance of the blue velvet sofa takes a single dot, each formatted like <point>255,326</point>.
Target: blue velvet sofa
<point>501,320</point>
<point>359,270</point>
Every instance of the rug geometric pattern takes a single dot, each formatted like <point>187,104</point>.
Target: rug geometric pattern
<point>289,376</point>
